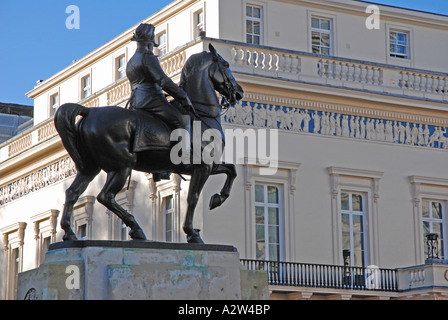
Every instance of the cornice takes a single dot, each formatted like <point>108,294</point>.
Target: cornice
<point>428,181</point>
<point>355,172</point>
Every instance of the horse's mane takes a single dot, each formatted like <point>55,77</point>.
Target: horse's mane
<point>194,64</point>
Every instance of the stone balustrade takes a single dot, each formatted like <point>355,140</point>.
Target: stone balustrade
<point>334,71</point>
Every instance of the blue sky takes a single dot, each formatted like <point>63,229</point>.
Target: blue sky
<point>35,43</point>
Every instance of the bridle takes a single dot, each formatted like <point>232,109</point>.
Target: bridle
<point>225,104</point>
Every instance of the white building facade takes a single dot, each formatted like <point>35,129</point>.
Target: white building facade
<point>354,113</point>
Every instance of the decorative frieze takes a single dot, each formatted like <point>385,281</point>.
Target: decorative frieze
<point>37,180</point>
<point>335,122</point>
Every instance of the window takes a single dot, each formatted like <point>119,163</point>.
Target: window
<point>198,23</point>
<point>321,35</point>
<point>399,44</point>
<point>168,214</point>
<point>86,87</point>
<point>120,67</point>
<point>44,232</point>
<point>13,240</point>
<point>54,103</point>
<point>267,222</point>
<point>161,41</point>
<point>353,227</point>
<point>354,208</point>
<point>82,217</point>
<point>433,217</point>
<point>45,245</point>
<point>253,25</point>
<point>82,232</point>
<point>15,264</point>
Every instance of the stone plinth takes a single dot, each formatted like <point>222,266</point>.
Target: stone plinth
<point>107,270</point>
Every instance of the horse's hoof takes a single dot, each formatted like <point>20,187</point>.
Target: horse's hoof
<point>69,236</point>
<point>137,234</point>
<point>195,237</point>
<point>215,201</point>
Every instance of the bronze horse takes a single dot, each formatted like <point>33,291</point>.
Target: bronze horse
<point>103,140</point>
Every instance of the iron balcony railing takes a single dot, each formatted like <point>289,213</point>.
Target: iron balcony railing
<point>325,276</point>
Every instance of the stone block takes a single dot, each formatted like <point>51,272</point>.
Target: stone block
<point>128,270</point>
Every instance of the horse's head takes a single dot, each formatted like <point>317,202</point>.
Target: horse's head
<point>205,73</point>
<point>223,79</point>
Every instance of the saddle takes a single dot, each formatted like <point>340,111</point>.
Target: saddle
<point>151,133</point>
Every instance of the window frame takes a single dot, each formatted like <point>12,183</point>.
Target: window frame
<point>13,241</point>
<point>52,108</point>
<point>167,212</point>
<point>433,189</point>
<point>198,27</point>
<point>44,227</point>
<point>161,190</point>
<point>83,215</point>
<point>120,70</point>
<point>359,181</point>
<point>404,62</point>
<point>431,220</point>
<point>351,213</point>
<point>322,31</point>
<point>83,95</point>
<point>285,177</point>
<point>397,55</point>
<point>260,20</point>
<point>162,49</point>
<point>266,205</point>
<point>334,32</point>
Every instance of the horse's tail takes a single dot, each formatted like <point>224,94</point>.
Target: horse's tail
<point>64,121</point>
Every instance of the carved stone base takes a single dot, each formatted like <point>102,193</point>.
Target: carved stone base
<point>128,270</point>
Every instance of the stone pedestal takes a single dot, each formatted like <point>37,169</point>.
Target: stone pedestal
<point>131,270</point>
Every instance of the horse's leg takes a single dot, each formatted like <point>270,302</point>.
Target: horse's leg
<point>230,170</point>
<point>114,183</point>
<point>78,186</point>
<point>198,178</point>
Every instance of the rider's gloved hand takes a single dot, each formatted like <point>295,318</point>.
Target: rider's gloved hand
<point>189,106</point>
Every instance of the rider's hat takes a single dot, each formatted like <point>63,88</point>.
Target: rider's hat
<point>144,33</point>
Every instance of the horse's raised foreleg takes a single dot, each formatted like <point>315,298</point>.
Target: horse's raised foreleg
<point>72,194</point>
<point>230,170</point>
<point>198,178</point>
<point>114,183</point>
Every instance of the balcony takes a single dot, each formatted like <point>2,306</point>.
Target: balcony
<point>303,281</point>
<point>295,274</point>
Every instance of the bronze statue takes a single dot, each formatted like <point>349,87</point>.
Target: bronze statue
<point>105,137</point>
<point>147,81</point>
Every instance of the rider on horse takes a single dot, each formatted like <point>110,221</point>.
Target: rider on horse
<point>147,81</point>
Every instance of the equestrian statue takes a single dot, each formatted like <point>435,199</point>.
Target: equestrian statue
<point>118,140</point>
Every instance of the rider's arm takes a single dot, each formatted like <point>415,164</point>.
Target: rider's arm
<point>155,70</point>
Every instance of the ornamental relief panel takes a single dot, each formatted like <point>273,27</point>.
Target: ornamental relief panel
<point>406,130</point>
<point>36,180</point>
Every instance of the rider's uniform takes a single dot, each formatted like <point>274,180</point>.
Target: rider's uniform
<point>147,81</point>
